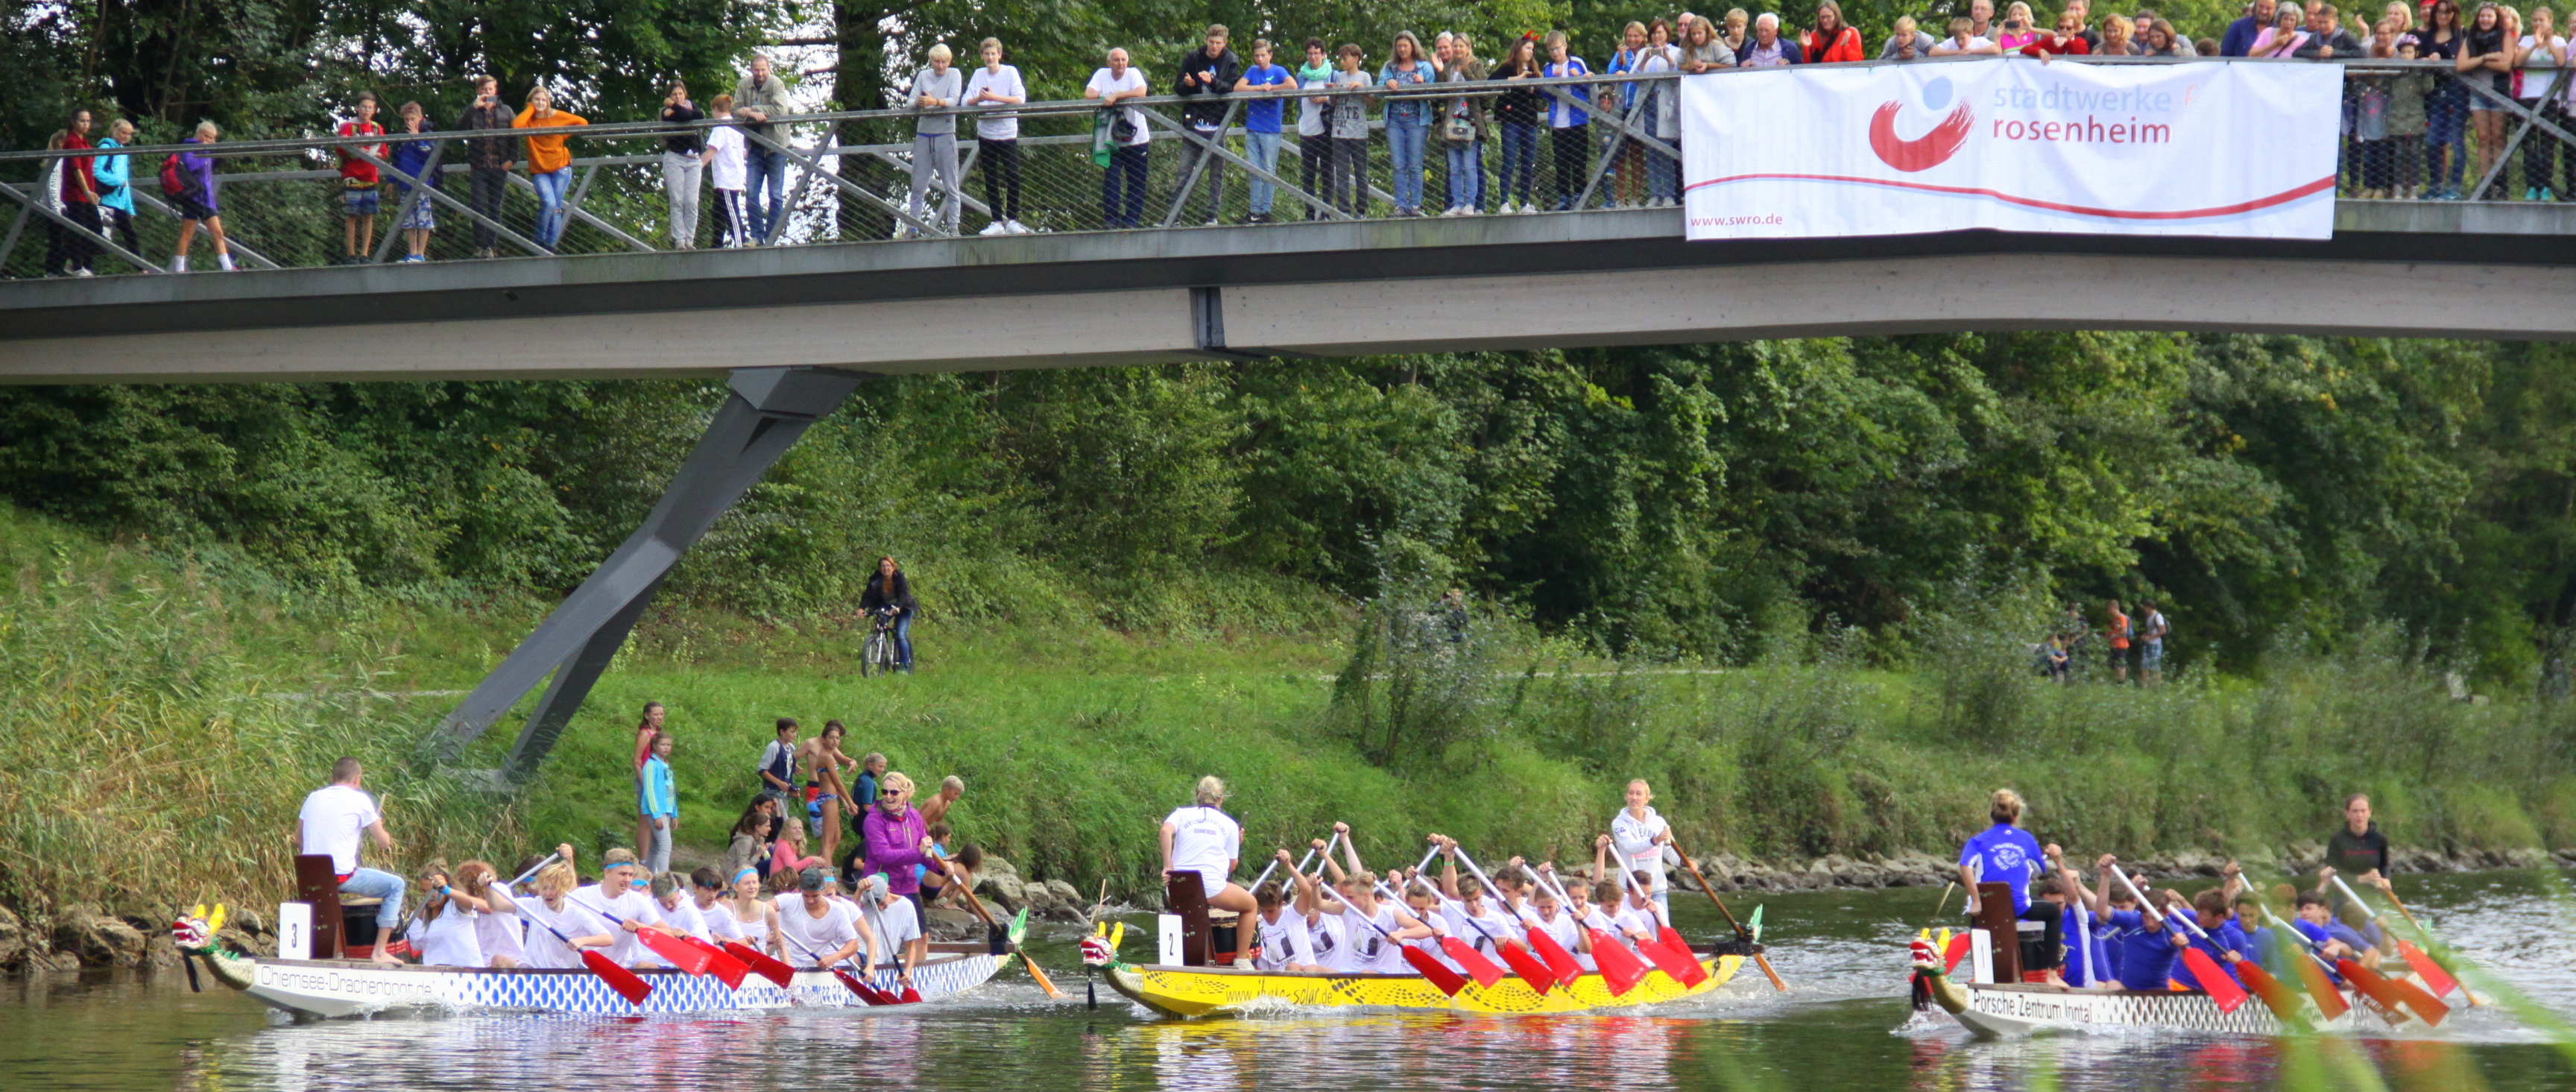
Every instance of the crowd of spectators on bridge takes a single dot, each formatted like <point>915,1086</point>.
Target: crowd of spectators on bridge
<point>1506,140</point>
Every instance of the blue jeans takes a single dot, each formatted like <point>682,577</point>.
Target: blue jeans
<point>1126,173</point>
<point>1467,175</point>
<point>1663,173</point>
<point>380,885</point>
<point>550,204</point>
<point>763,172</point>
<point>1520,161</point>
<point>1263,150</point>
<point>1404,146</point>
<point>903,641</point>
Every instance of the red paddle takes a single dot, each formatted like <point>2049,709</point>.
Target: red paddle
<point>1478,967</point>
<point>1666,948</point>
<point>2276,996</point>
<point>2437,982</point>
<point>2205,971</point>
<point>2425,1005</point>
<point>1438,973</point>
<point>761,963</point>
<point>848,980</point>
<point>2329,999</point>
<point>627,983</point>
<point>1541,971</point>
<point>726,968</point>
<point>1621,970</point>
<point>678,951</point>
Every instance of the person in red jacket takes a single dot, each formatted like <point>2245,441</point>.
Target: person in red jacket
<point>2067,40</point>
<point>1833,39</point>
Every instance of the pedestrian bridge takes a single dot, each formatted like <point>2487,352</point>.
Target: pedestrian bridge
<point>1353,280</point>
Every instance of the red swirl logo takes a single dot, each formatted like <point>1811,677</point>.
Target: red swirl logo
<point>1924,152</point>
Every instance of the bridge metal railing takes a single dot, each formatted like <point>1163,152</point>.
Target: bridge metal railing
<point>2406,134</point>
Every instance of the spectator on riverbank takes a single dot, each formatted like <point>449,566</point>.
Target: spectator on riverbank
<point>1738,34</point>
<point>359,180</point>
<point>1122,186</point>
<point>2541,56</point>
<point>684,163</point>
<point>1833,40</point>
<point>79,196</point>
<point>2115,634</point>
<point>759,97</point>
<point>777,769</point>
<point>2326,37</point>
<point>1349,182</point>
<point>1568,123</point>
<point>1906,42</point>
<point>2017,29</point>
<point>1314,126</point>
<point>2241,33</point>
<point>1519,114</point>
<point>334,821</point>
<point>195,201</point>
<point>487,162</point>
<point>2286,34</point>
<point>997,137</point>
<point>2152,629</point>
<point>1964,39</point>
<point>1408,119</point>
<point>648,727</point>
<point>1262,122</point>
<point>660,805</point>
<point>888,589</point>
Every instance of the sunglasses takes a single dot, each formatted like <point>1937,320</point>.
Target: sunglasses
<point>888,794</point>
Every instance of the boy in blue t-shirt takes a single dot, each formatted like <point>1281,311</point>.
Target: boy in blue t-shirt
<point>2148,948</point>
<point>2219,938</point>
<point>1261,124</point>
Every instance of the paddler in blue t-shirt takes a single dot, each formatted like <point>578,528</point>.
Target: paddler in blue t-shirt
<point>2150,943</point>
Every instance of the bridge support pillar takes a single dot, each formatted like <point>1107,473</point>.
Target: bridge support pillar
<point>767,411</point>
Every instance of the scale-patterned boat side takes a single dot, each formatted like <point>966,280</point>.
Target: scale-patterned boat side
<point>1200,991</point>
<point>345,988</point>
<point>1999,1010</point>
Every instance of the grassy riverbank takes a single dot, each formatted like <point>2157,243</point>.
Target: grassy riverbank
<point>161,729</point>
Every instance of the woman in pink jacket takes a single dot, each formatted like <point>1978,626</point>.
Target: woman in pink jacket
<point>894,838</point>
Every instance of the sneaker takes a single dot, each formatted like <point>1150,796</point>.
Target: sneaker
<point>1211,222</point>
<point>1017,228</point>
<point>2531,193</point>
<point>995,228</point>
<point>83,273</point>
<point>2546,194</point>
<point>179,264</point>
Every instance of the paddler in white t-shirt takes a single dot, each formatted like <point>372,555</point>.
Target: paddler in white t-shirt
<point>615,899</point>
<point>1284,939</point>
<point>1643,841</point>
<point>1367,950</point>
<point>1470,917</point>
<point>819,930</point>
<point>1206,841</point>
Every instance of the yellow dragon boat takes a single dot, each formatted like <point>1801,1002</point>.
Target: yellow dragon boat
<point>1202,991</point>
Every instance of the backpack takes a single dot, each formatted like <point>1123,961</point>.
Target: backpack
<point>174,181</point>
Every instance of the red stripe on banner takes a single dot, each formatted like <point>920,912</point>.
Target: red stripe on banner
<point>2283,197</point>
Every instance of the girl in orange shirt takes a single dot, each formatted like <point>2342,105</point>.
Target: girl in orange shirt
<point>549,163</point>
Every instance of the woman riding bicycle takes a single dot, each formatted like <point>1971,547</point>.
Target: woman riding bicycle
<point>889,593</point>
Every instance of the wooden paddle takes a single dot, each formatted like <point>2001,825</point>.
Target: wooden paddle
<point>1741,933</point>
<point>2434,975</point>
<point>1666,948</point>
<point>977,905</point>
<point>1621,970</point>
<point>1541,971</point>
<point>2205,971</point>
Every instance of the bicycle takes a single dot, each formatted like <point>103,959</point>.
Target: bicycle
<point>877,656</point>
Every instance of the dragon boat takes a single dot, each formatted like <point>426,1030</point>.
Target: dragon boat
<point>341,988</point>
<point>2005,1010</point>
<point>1184,991</point>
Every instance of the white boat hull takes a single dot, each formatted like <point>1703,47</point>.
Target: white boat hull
<point>333,989</point>
<point>2013,1010</point>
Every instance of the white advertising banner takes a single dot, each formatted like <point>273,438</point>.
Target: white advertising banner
<point>2245,150</point>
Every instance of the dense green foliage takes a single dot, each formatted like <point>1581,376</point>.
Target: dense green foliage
<point>1706,501</point>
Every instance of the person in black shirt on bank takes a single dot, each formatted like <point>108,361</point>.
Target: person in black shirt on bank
<point>2357,848</point>
<point>684,162</point>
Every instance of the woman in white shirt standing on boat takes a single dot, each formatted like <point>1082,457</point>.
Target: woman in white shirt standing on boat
<point>1204,840</point>
<point>1644,841</point>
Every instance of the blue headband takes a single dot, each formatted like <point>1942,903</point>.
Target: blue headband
<point>738,876</point>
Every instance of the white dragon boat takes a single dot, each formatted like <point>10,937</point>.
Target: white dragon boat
<point>2002,1010</point>
<point>341,988</point>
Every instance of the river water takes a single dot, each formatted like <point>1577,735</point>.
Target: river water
<point>1845,1025</point>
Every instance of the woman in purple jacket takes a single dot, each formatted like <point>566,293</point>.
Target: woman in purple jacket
<point>894,838</point>
<point>197,202</point>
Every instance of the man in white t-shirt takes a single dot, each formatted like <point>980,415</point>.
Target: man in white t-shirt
<point>816,927</point>
<point>334,819</point>
<point>897,925</point>
<point>616,901</point>
<point>1122,190</point>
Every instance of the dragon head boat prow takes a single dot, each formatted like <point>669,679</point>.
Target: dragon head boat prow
<point>195,934</point>
<point>1932,983</point>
